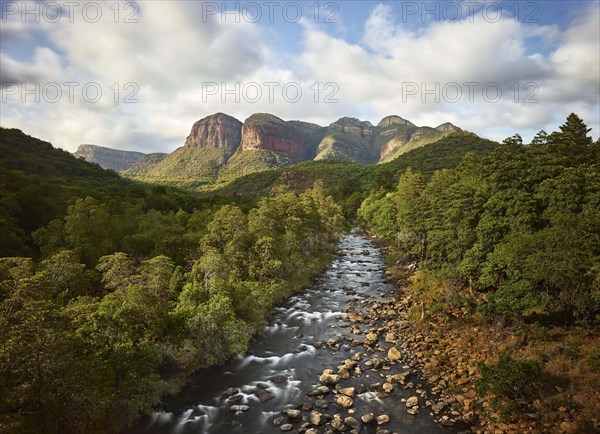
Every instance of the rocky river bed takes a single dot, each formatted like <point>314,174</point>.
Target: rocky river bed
<point>337,357</point>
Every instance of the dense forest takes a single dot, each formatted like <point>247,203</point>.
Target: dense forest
<point>93,336</point>
<point>508,245</point>
<point>112,292</point>
<point>521,225</point>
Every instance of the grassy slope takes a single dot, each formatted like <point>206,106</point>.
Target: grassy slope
<point>250,161</point>
<point>430,136</point>
<point>187,167</point>
<point>446,153</point>
<point>144,165</point>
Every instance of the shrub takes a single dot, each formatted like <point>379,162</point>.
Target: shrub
<point>514,297</point>
<point>593,359</point>
<point>511,382</point>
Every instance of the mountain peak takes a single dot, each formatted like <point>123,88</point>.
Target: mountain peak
<point>264,131</point>
<point>353,126</point>
<point>394,120</point>
<point>447,126</point>
<point>217,131</point>
<point>262,118</point>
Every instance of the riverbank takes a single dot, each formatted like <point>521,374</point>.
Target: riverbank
<point>453,347</point>
<point>322,363</point>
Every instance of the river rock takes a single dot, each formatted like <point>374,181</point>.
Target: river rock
<point>321,403</point>
<point>394,355</point>
<point>293,413</point>
<point>337,424</point>
<point>384,418</point>
<point>367,418</point>
<point>232,391</point>
<point>376,363</point>
<point>412,401</point>
<point>352,422</point>
<point>344,401</point>
<point>263,395</point>
<point>397,378</point>
<point>286,427</point>
<point>436,408</point>
<point>348,391</point>
<point>319,391</point>
<point>317,418</point>
<point>239,408</point>
<point>328,377</point>
<point>236,398</point>
<point>387,387</point>
<point>278,420</point>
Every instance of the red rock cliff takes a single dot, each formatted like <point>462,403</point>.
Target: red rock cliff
<point>264,131</point>
<point>218,131</point>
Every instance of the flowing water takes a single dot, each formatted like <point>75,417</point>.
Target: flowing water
<point>286,362</point>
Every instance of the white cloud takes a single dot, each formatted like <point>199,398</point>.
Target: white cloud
<point>174,49</point>
<point>379,72</point>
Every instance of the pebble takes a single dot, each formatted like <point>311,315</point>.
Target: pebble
<point>384,418</point>
<point>292,413</point>
<point>394,355</point>
<point>412,401</point>
<point>344,401</point>
<point>352,422</point>
<point>367,418</point>
<point>239,408</point>
<point>337,424</point>
<point>317,418</point>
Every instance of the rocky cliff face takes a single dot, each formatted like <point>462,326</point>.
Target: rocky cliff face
<point>220,147</point>
<point>218,131</point>
<point>447,127</point>
<point>108,158</point>
<point>354,126</point>
<point>349,139</point>
<point>268,132</point>
<point>394,121</point>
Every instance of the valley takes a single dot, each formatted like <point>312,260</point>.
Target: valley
<point>485,319</point>
<point>336,323</point>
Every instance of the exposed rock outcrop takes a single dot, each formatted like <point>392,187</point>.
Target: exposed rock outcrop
<point>218,131</point>
<point>354,126</point>
<point>447,127</point>
<point>108,158</point>
<point>393,121</point>
<point>268,132</point>
<point>220,147</point>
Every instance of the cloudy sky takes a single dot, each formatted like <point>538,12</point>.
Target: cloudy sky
<point>137,75</point>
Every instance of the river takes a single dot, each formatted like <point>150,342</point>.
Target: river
<point>287,361</point>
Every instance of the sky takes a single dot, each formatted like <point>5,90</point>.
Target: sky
<point>136,75</point>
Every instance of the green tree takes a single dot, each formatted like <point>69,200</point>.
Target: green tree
<point>88,230</point>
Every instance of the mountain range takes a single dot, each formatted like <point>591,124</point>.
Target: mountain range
<point>221,148</point>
